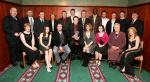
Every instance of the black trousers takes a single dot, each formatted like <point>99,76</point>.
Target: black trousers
<point>15,49</point>
<point>127,60</point>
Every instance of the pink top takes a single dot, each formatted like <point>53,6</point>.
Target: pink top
<point>104,38</point>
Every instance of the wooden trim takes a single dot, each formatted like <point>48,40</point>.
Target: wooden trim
<point>142,4</point>
<point>70,6</point>
<point>10,3</point>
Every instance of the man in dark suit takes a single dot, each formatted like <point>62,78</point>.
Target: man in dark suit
<point>95,20</point>
<point>124,23</point>
<point>72,14</point>
<point>39,24</point>
<point>29,19</point>
<point>83,20</point>
<point>53,23</point>
<point>137,23</point>
<point>111,22</point>
<point>64,21</point>
<point>12,28</point>
<point>60,44</point>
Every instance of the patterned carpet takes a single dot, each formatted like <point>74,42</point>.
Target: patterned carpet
<point>72,71</point>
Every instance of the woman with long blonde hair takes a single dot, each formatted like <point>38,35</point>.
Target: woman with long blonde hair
<point>129,54</point>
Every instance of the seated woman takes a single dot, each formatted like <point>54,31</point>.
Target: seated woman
<point>101,41</point>
<point>28,40</point>
<point>89,44</point>
<point>76,38</point>
<point>45,42</point>
<point>117,41</point>
<point>133,51</point>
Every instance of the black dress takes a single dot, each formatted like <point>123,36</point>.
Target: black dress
<point>45,42</point>
<point>127,58</point>
<point>103,49</point>
<point>31,55</point>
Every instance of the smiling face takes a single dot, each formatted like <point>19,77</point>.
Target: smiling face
<point>47,29</point>
<point>59,27</point>
<point>64,14</point>
<point>117,27</point>
<point>13,12</point>
<point>83,14</point>
<point>100,29</point>
<point>134,16</point>
<point>27,27</point>
<point>72,12</point>
<point>75,20</point>
<point>122,15</point>
<point>114,15</point>
<point>103,14</point>
<point>41,15</point>
<point>30,13</point>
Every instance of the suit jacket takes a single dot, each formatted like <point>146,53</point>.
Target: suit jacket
<point>96,24</point>
<point>55,25</point>
<point>66,24</point>
<point>124,25</point>
<point>139,25</point>
<point>11,26</point>
<point>56,39</point>
<point>81,22</point>
<point>108,26</point>
<point>39,26</point>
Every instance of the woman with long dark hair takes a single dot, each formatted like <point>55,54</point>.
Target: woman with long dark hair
<point>45,42</point>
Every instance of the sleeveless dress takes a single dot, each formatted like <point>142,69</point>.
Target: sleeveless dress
<point>45,42</point>
<point>31,55</point>
<point>127,58</point>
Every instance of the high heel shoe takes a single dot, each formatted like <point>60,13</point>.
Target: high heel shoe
<point>48,69</point>
<point>99,63</point>
<point>50,66</point>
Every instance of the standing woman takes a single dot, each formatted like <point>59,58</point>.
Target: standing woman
<point>29,48</point>
<point>133,51</point>
<point>45,42</point>
<point>89,44</point>
<point>101,41</point>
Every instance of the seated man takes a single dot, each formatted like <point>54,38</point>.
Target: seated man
<point>60,45</point>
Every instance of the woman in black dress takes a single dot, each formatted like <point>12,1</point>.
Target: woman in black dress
<point>133,51</point>
<point>45,42</point>
<point>29,48</point>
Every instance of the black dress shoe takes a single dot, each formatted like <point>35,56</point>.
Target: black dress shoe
<point>14,64</point>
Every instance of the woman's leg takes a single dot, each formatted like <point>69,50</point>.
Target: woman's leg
<point>96,57</point>
<point>99,58</point>
<point>50,57</point>
<point>47,61</point>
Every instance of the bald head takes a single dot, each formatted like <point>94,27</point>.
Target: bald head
<point>13,11</point>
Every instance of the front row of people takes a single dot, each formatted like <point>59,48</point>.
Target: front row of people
<point>99,44</point>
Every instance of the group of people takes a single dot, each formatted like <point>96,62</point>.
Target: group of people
<point>93,36</point>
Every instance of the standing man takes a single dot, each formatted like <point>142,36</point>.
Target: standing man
<point>39,24</point>
<point>83,20</point>
<point>137,23</point>
<point>29,19</point>
<point>95,20</point>
<point>104,18</point>
<point>12,28</point>
<point>53,23</point>
<point>72,14</point>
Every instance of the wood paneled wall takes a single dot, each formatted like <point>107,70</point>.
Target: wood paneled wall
<point>143,11</point>
<point>58,9</point>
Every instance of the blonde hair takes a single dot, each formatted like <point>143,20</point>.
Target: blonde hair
<point>88,24</point>
<point>134,30</point>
